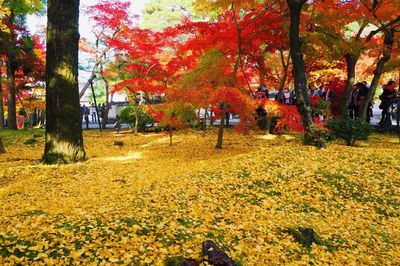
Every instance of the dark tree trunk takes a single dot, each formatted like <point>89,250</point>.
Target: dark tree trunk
<point>136,121</point>
<point>221,129</point>
<point>1,101</point>
<point>11,101</point>
<point>233,77</point>
<point>285,67</point>
<point>2,149</point>
<point>351,62</point>
<point>106,109</point>
<point>64,141</point>
<point>299,70</point>
<point>388,43</point>
<point>262,69</point>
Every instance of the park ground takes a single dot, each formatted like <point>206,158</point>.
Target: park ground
<point>145,201</point>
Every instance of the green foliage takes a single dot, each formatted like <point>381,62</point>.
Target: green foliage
<point>23,7</point>
<point>305,236</point>
<point>322,107</point>
<point>209,72</point>
<point>18,137</point>
<point>350,130</point>
<point>128,116</point>
<point>318,136</point>
<point>174,261</point>
<point>160,14</point>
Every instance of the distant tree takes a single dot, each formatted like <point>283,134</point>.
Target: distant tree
<point>64,141</point>
<point>160,14</point>
<point>15,46</point>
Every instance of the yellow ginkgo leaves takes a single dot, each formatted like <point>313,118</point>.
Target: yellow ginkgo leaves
<point>145,201</point>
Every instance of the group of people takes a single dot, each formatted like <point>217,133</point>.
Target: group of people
<point>288,96</point>
<point>359,95</point>
<point>388,97</point>
<point>91,115</point>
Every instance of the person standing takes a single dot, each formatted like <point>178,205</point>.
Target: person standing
<point>93,113</point>
<point>387,97</point>
<point>361,97</point>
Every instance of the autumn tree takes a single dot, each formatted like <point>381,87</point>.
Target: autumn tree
<point>386,18</point>
<point>209,84</point>
<point>108,21</point>
<point>349,37</point>
<point>15,45</point>
<point>299,70</point>
<point>64,141</point>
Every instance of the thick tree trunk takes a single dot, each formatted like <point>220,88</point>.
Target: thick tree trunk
<point>64,141</point>
<point>11,101</point>
<point>351,62</point>
<point>388,42</point>
<point>299,70</point>
<point>2,149</point>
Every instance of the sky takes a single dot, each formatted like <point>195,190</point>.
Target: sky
<point>38,23</point>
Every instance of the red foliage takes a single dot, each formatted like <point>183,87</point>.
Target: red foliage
<point>289,120</point>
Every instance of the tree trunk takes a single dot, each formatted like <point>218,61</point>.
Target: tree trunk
<point>170,135</point>
<point>299,70</point>
<point>1,100</point>
<point>136,121</point>
<point>2,149</point>
<point>96,107</point>
<point>211,117</point>
<point>107,105</point>
<point>11,101</point>
<point>285,67</point>
<point>233,78</point>
<point>351,62</point>
<point>89,81</point>
<point>388,43</point>
<point>221,129</point>
<point>64,141</point>
<point>262,69</point>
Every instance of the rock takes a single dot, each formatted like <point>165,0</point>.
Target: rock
<point>305,236</point>
<point>119,143</point>
<point>212,254</point>
<point>215,256</point>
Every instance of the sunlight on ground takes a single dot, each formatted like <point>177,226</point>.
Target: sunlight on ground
<point>268,137</point>
<point>288,137</point>
<point>394,140</point>
<point>128,157</point>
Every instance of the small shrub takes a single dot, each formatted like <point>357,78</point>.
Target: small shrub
<point>128,116</point>
<point>319,136</point>
<point>350,130</point>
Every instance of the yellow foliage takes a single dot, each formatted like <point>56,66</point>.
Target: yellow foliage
<point>4,11</point>
<point>141,202</point>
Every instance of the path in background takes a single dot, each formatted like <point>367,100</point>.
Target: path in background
<point>377,114</point>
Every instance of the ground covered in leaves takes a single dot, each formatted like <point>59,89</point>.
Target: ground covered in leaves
<point>145,201</point>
